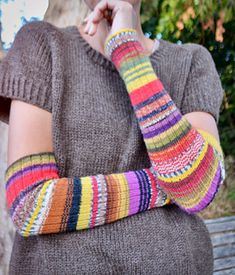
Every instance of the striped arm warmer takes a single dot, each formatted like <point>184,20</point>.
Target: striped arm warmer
<point>188,162</point>
<point>40,202</point>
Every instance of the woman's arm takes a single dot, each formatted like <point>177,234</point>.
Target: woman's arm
<point>188,161</point>
<point>40,202</point>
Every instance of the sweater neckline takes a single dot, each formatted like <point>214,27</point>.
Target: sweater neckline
<point>102,60</point>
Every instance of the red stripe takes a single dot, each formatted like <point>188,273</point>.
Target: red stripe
<point>191,184</point>
<point>146,91</point>
<point>26,180</point>
<point>130,48</point>
<point>154,188</point>
<point>175,149</point>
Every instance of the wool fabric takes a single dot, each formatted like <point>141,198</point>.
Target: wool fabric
<point>41,203</point>
<point>95,131</point>
<point>189,167</point>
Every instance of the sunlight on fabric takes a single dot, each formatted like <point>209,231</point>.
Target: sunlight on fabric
<point>14,14</point>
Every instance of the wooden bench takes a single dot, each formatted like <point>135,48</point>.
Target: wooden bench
<point>222,232</point>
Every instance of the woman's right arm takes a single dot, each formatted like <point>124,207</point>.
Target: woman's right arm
<point>29,130</point>
<point>40,202</point>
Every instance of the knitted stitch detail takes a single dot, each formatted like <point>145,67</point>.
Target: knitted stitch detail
<point>189,164</point>
<point>180,157</point>
<point>40,202</point>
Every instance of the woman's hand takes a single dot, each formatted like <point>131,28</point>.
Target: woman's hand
<point>118,14</point>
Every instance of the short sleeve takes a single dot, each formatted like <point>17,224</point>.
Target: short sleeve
<point>203,89</point>
<point>25,71</point>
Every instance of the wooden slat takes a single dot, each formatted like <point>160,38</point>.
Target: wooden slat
<point>219,220</point>
<point>221,227</point>
<point>224,251</point>
<point>223,238</point>
<point>225,272</point>
<point>222,233</point>
<point>225,263</point>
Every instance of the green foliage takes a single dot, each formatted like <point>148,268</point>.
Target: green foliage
<point>210,23</point>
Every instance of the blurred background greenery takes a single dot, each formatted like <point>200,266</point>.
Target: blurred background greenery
<point>210,23</point>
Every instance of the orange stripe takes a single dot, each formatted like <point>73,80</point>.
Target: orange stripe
<point>54,218</point>
<point>112,204</point>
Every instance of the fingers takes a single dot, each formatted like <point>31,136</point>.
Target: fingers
<point>99,13</point>
<point>106,9</point>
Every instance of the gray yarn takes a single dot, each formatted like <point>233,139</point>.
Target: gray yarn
<point>95,131</point>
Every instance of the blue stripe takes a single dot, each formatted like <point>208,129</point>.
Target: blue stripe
<point>150,100</point>
<point>75,207</point>
<point>141,192</point>
<point>146,190</point>
<point>157,111</point>
<point>149,188</point>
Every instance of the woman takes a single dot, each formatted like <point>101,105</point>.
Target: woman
<point>61,71</point>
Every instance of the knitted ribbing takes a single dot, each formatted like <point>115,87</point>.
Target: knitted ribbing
<point>189,163</point>
<point>40,202</point>
<point>95,131</point>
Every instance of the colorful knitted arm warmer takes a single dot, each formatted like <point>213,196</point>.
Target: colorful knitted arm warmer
<point>188,162</point>
<point>40,202</point>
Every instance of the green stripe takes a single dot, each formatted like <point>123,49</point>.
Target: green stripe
<point>129,63</point>
<point>138,76</point>
<point>165,144</point>
<point>137,70</point>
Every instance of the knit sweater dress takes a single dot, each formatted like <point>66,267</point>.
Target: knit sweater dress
<point>95,131</point>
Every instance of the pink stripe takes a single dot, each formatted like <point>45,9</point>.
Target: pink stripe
<point>95,200</point>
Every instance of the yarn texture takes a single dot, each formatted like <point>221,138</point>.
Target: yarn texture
<point>96,131</point>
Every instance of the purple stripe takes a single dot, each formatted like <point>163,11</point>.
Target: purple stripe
<point>162,126</point>
<point>22,194</point>
<point>214,187</point>
<point>29,169</point>
<point>134,192</point>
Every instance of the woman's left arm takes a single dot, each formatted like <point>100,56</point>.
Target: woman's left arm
<point>187,157</point>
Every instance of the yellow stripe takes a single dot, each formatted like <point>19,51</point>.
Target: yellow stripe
<point>167,136</point>
<point>168,200</point>
<point>147,70</point>
<point>124,195</point>
<point>38,207</point>
<point>190,170</point>
<point>117,32</point>
<point>141,81</point>
<point>86,203</point>
<point>26,161</point>
<point>134,68</point>
<point>196,197</point>
<point>211,139</point>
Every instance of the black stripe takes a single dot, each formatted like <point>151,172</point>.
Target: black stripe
<point>75,207</point>
<point>148,188</point>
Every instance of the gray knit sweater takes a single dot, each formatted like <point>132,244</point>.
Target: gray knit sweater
<point>95,131</point>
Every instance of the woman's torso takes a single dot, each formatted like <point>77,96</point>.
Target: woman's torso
<point>95,131</point>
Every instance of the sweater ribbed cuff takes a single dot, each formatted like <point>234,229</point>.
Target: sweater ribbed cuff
<point>16,86</point>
